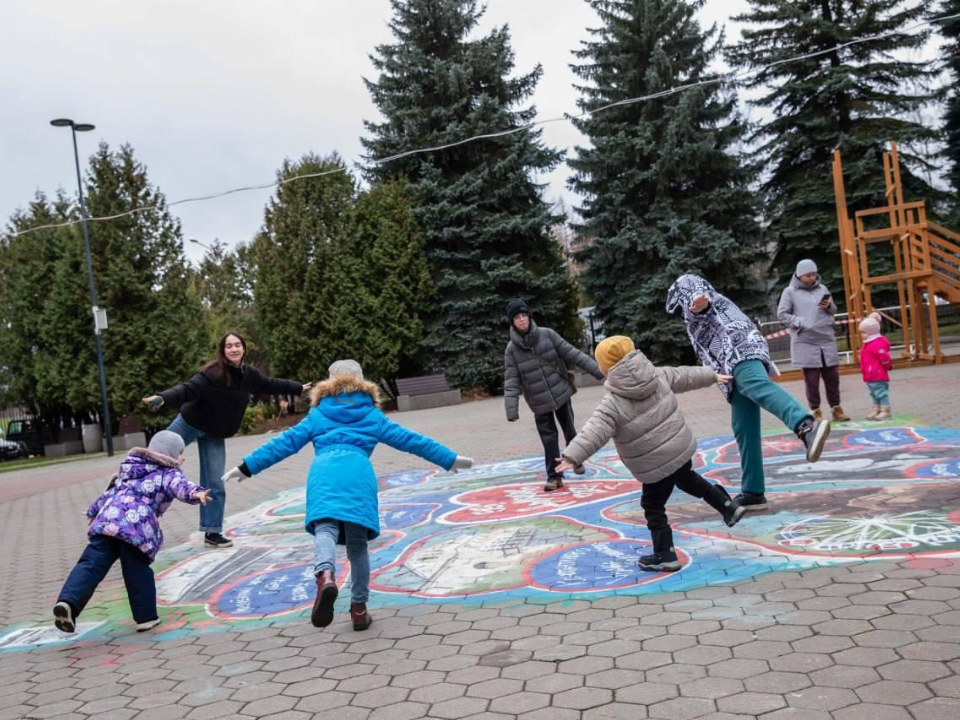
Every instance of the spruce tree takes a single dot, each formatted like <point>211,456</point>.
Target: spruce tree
<point>227,299</point>
<point>664,190</point>
<point>484,221</point>
<point>855,98</point>
<point>950,29</point>
<point>397,279</point>
<point>156,333</point>
<point>308,282</point>
<point>27,267</point>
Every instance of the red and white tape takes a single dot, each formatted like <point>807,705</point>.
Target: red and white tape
<point>784,333</point>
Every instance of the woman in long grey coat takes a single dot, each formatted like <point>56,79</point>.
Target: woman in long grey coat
<point>535,365</point>
<point>806,309</point>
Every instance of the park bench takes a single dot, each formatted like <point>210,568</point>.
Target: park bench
<point>428,391</point>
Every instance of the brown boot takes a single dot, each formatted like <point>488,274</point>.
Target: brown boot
<point>884,413</point>
<point>874,411</point>
<point>322,614</point>
<point>553,484</point>
<point>360,617</point>
<point>817,415</point>
<point>839,415</point>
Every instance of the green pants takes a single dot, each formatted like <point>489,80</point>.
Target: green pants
<point>753,389</point>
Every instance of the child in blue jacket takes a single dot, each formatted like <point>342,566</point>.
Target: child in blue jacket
<point>345,425</point>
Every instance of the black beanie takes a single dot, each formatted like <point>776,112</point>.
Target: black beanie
<point>515,307</point>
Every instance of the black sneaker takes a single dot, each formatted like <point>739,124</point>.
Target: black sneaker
<point>750,501</point>
<point>659,562</point>
<point>63,618</point>
<point>216,540</point>
<point>554,483</point>
<point>814,435</point>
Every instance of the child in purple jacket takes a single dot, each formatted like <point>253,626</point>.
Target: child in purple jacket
<point>125,525</point>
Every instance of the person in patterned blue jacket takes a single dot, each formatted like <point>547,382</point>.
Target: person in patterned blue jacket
<point>345,425</point>
<point>125,526</point>
<point>728,342</point>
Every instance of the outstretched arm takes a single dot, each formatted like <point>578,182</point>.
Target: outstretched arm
<point>266,385</point>
<point>406,440</point>
<point>685,379</point>
<point>601,426</point>
<point>176,483</point>
<point>180,394</point>
<point>288,443</point>
<point>572,356</point>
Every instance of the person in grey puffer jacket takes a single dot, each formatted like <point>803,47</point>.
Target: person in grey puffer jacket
<point>641,414</point>
<point>535,364</point>
<point>807,309</point>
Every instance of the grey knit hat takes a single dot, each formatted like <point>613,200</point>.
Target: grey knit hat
<point>346,367</point>
<point>166,442</point>
<point>806,266</point>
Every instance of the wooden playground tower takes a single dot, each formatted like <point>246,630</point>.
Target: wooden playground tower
<point>926,262</point>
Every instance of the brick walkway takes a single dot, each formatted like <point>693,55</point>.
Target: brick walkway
<point>864,639</point>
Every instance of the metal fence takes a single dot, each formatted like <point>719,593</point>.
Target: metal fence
<point>948,320</point>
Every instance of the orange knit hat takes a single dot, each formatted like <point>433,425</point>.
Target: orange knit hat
<point>612,350</point>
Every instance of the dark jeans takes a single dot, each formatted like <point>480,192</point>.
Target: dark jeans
<point>655,495</point>
<point>551,438</point>
<point>831,380</point>
<point>92,568</point>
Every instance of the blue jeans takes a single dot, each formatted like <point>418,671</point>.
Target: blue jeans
<point>213,462</point>
<point>753,389</point>
<point>92,568</point>
<point>325,535</point>
<point>880,391</point>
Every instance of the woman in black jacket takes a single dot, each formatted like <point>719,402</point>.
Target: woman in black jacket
<point>212,404</point>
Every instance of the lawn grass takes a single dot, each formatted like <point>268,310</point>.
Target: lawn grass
<point>44,461</point>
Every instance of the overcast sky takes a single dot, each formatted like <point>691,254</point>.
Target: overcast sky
<point>214,94</point>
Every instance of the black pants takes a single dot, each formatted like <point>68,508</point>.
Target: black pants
<point>831,380</point>
<point>92,568</point>
<point>655,495</point>
<point>551,438</point>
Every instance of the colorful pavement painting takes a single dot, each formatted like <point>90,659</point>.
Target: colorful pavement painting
<point>492,534</point>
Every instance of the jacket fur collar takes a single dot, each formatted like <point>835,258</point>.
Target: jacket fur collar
<point>341,385</point>
<point>158,458</point>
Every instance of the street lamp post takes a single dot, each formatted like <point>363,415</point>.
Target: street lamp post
<point>197,242</point>
<point>74,129</point>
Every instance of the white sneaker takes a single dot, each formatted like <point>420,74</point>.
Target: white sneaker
<point>144,626</point>
<point>63,618</point>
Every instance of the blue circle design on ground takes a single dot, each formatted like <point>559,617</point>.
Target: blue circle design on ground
<point>276,591</point>
<point>592,566</point>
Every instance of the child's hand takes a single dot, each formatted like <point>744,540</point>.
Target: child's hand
<point>306,386</point>
<point>203,496</point>
<point>234,474</point>
<point>699,304</point>
<point>564,465</point>
<point>724,378</point>
<point>462,463</point>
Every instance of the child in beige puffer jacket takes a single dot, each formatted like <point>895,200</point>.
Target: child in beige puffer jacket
<point>641,414</point>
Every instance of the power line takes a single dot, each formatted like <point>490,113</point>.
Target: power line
<point>719,79</point>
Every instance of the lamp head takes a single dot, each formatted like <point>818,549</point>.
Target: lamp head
<point>62,122</point>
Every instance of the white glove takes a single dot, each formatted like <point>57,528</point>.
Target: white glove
<point>234,474</point>
<point>462,463</point>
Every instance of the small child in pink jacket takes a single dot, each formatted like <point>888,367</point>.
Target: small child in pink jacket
<point>875,362</point>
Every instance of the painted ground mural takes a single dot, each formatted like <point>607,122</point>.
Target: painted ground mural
<point>492,534</point>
